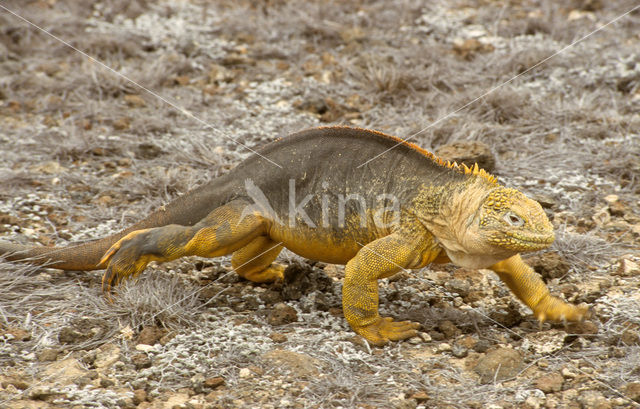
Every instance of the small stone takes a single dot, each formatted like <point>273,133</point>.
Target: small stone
<point>282,314</point>
<point>177,400</point>
<point>278,337</point>
<point>499,364</point>
<point>48,354</point>
<point>467,341</point>
<point>151,335</point>
<point>469,153</point>
<point>444,347</point>
<point>425,337</point>
<point>611,198</point>
<point>106,382</point>
<point>182,80</point>
<point>482,346</point>
<point>49,168</point>
<point>601,217</point>
<point>550,383</point>
<point>16,381</point>
<point>140,360</point>
<point>420,397</point>
<point>449,329</point>
<point>632,391</point>
<point>300,364</point>
<point>583,328</point>
<point>106,356</point>
<point>244,373</point>
<point>630,337</point>
<point>617,208</point>
<point>467,48</point>
<point>627,268</point>
<point>148,150</point>
<point>214,382</point>
<point>134,101</point>
<point>18,334</point>
<point>121,123</point>
<point>546,201</point>
<point>593,400</point>
<point>568,373</point>
<point>139,396</point>
<point>145,348</point>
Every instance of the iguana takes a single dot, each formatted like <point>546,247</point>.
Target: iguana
<point>307,192</point>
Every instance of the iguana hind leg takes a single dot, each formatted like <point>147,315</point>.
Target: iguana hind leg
<point>225,230</point>
<point>255,260</point>
<point>525,283</point>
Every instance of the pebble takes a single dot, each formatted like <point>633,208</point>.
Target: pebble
<point>278,337</point>
<point>145,348</point>
<point>482,346</point>
<point>424,336</point>
<point>444,347</point>
<point>215,381</point>
<point>449,329</point>
<point>499,364</point>
<point>244,373</point>
<point>627,268</point>
<point>568,373</point>
<point>549,383</point>
<point>141,360</point>
<point>139,396</point>
<point>106,356</point>
<point>593,400</point>
<point>469,153</point>
<point>632,391</point>
<point>282,314</point>
<point>150,335</point>
<point>48,354</point>
<point>300,364</point>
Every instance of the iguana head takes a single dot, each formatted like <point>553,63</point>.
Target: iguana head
<point>482,225</point>
<point>509,220</point>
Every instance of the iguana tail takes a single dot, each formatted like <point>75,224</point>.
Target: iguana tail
<point>185,210</point>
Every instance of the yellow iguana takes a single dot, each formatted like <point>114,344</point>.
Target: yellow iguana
<point>401,211</point>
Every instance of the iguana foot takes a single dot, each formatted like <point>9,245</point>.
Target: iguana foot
<point>270,274</point>
<point>384,330</point>
<point>554,309</point>
<point>124,259</point>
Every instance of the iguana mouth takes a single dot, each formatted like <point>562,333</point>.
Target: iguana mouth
<point>543,239</point>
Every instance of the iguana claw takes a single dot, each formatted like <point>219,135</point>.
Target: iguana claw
<point>554,309</point>
<point>125,258</point>
<point>383,330</point>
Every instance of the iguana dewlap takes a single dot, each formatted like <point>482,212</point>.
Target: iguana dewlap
<point>402,210</point>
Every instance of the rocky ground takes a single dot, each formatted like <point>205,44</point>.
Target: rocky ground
<point>86,152</point>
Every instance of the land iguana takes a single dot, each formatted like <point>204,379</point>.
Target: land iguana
<point>403,210</point>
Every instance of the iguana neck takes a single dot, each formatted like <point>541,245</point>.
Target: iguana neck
<point>449,212</point>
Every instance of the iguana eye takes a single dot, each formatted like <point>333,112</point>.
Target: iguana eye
<point>513,219</point>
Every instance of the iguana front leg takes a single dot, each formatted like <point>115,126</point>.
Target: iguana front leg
<point>225,230</point>
<point>379,259</point>
<point>527,285</point>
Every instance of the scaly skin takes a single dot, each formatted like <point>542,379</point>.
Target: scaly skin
<point>445,213</point>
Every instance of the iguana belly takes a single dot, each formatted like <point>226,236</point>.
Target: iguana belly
<point>321,245</point>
